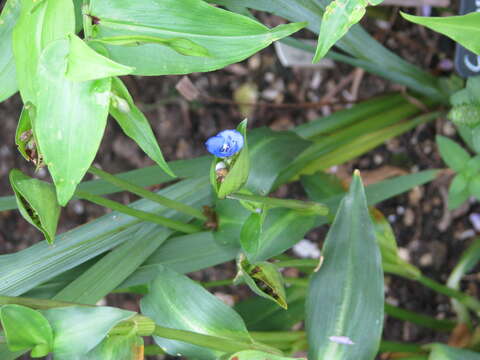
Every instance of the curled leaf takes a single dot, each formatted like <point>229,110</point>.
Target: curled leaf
<point>263,279</point>
<point>37,203</point>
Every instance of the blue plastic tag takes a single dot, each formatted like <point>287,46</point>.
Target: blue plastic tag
<point>467,63</point>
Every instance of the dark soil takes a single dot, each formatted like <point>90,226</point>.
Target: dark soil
<point>427,234</point>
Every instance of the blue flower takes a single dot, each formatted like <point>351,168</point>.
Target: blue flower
<point>225,144</point>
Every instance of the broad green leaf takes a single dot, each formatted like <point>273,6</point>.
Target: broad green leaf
<point>176,302</point>
<point>182,46</point>
<point>444,352</point>
<point>193,20</point>
<point>452,153</point>
<point>79,329</point>
<point>85,64</point>
<point>37,203</point>
<point>348,288</point>
<point>338,17</point>
<point>281,230</point>
<point>270,153</point>
<point>458,192</point>
<point>263,279</point>
<point>8,78</point>
<point>28,268</point>
<point>183,254</point>
<point>26,329</point>
<point>238,171</point>
<point>71,119</point>
<point>38,25</point>
<point>463,29</point>
<point>117,348</point>
<point>6,354</point>
<point>250,233</point>
<point>261,314</point>
<point>134,124</point>
<point>258,355</point>
<point>114,267</point>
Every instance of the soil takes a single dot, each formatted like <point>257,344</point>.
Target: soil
<point>431,237</point>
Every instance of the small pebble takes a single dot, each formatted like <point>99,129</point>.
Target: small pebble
<point>426,260</point>
<point>306,249</point>
<point>475,221</point>
<point>409,217</point>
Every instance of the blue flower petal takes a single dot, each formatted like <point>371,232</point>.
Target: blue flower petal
<point>225,144</point>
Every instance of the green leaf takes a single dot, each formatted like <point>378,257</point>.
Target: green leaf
<point>388,248</point>
<point>458,191</point>
<point>37,203</point>
<point>463,29</point>
<point>8,78</point>
<point>182,46</point>
<point>257,355</point>
<point>85,64</point>
<point>261,314</point>
<point>24,137</point>
<point>26,329</point>
<point>348,289</point>
<point>176,302</point>
<point>281,230</point>
<point>338,17</point>
<point>38,25</point>
<point>68,147</point>
<point>250,233</point>
<point>115,267</point>
<point>117,348</point>
<point>39,263</point>
<point>468,114</point>
<point>193,20</point>
<point>270,153</point>
<point>183,254</point>
<point>237,172</point>
<point>79,329</point>
<point>444,352</point>
<point>134,124</point>
<point>263,279</point>
<point>453,154</point>
<point>474,186</point>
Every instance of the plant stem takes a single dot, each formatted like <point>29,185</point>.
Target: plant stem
<point>467,300</point>
<point>306,206</point>
<point>419,319</point>
<point>391,346</point>
<point>211,342</point>
<point>140,191</point>
<point>157,219</point>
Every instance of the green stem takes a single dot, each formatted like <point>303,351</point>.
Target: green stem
<point>391,346</point>
<point>157,219</point>
<point>467,300</point>
<point>138,190</point>
<point>419,319</point>
<point>277,336</point>
<point>153,350</point>
<point>211,284</point>
<point>211,342</point>
<point>306,206</point>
